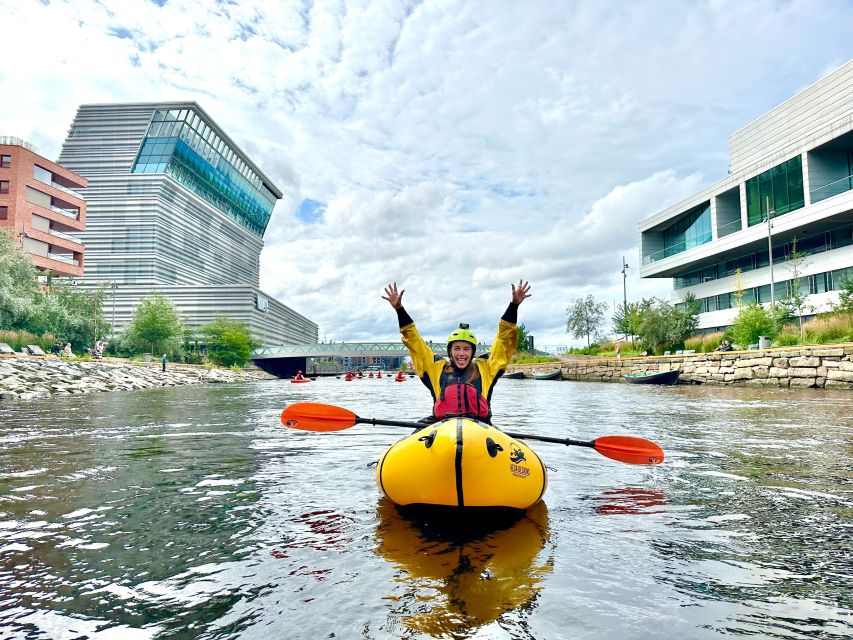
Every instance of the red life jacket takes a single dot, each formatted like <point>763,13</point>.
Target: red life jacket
<point>462,396</point>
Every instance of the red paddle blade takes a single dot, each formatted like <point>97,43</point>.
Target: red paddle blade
<point>312,416</point>
<point>629,449</point>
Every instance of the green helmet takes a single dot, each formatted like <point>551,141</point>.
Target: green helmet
<point>462,333</point>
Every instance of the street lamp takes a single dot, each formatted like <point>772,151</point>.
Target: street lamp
<point>624,273</point>
<point>770,254</point>
<point>114,286</point>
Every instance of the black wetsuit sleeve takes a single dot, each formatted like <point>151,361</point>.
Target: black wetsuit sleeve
<point>403,317</point>
<point>511,313</point>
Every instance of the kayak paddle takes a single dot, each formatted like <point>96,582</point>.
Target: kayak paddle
<point>313,416</point>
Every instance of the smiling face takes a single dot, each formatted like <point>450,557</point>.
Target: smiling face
<point>461,353</point>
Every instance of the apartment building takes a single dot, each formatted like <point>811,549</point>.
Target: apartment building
<point>39,201</point>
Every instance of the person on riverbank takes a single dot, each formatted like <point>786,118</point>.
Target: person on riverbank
<point>66,352</point>
<point>163,362</point>
<point>725,345</point>
<point>461,384</point>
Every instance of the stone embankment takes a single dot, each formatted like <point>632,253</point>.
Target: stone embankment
<point>829,367</point>
<point>26,378</point>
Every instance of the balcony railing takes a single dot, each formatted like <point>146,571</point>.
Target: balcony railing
<point>673,250</point>
<point>56,185</point>
<point>832,189</point>
<point>67,236</point>
<point>71,213</point>
<point>63,257</point>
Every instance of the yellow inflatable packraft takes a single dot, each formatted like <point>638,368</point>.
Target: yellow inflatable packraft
<point>460,462</point>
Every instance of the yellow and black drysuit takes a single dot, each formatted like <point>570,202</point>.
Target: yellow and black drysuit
<point>461,392</point>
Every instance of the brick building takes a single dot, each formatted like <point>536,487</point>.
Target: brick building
<point>38,201</point>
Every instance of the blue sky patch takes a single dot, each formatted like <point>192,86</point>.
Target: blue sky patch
<point>310,211</point>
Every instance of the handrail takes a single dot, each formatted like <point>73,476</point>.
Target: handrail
<point>61,257</point>
<point>846,186</point>
<point>62,234</point>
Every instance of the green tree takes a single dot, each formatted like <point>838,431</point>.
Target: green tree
<point>18,283</point>
<point>752,321</point>
<point>664,326</point>
<point>845,296</point>
<point>156,325</point>
<point>523,343</point>
<point>585,317</point>
<point>626,320</point>
<point>73,315</point>
<point>795,298</point>
<point>229,342</point>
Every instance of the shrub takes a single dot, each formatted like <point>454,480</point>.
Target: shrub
<point>752,321</point>
<point>788,336</point>
<point>704,343</point>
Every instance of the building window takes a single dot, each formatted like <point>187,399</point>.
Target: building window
<point>42,175</point>
<point>4,213</point>
<point>693,229</point>
<point>5,162</point>
<point>780,189</point>
<point>4,186</point>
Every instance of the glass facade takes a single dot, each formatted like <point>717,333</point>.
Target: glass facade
<point>781,188</point>
<point>841,236</point>
<point>690,231</point>
<point>182,145</point>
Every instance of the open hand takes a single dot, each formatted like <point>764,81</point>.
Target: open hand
<point>520,292</point>
<point>394,298</point>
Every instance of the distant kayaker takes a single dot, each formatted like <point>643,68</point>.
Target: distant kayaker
<point>464,384</point>
<point>299,376</point>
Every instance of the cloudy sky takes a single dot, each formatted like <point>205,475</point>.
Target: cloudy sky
<point>450,146</point>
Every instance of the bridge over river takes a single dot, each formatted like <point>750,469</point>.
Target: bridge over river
<point>285,360</point>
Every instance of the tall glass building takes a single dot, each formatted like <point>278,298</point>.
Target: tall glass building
<point>175,206</point>
<point>789,189</point>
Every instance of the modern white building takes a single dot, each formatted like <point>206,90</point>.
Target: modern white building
<point>795,163</point>
<point>175,206</point>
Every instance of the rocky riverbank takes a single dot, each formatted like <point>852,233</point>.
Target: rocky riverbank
<point>24,378</point>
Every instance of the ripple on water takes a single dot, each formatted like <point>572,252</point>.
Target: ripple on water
<point>191,512</point>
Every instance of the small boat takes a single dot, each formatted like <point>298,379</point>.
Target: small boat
<point>553,375</point>
<point>300,380</point>
<point>515,375</point>
<point>460,462</point>
<point>660,377</point>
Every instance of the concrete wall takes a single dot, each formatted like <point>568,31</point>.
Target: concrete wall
<point>818,113</point>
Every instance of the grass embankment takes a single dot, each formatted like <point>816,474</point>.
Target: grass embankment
<point>526,358</point>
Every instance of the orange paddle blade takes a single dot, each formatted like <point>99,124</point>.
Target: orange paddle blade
<point>629,449</point>
<point>313,416</point>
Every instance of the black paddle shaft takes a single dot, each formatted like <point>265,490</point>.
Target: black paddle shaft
<point>521,436</point>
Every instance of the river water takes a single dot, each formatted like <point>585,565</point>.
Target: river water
<point>191,512</point>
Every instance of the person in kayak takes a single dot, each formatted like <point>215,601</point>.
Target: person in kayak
<point>461,385</point>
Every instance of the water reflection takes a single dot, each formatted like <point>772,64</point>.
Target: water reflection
<point>630,501</point>
<point>457,577</point>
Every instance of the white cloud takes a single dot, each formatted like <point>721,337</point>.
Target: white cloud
<point>456,146</point>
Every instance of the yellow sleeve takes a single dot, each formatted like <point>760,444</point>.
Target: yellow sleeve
<point>423,357</point>
<point>503,347</point>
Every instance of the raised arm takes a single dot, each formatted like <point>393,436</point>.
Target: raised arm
<point>504,344</point>
<point>394,297</point>
<point>420,352</point>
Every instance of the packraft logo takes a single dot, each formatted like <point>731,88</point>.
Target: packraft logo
<point>517,455</point>
<point>518,471</point>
